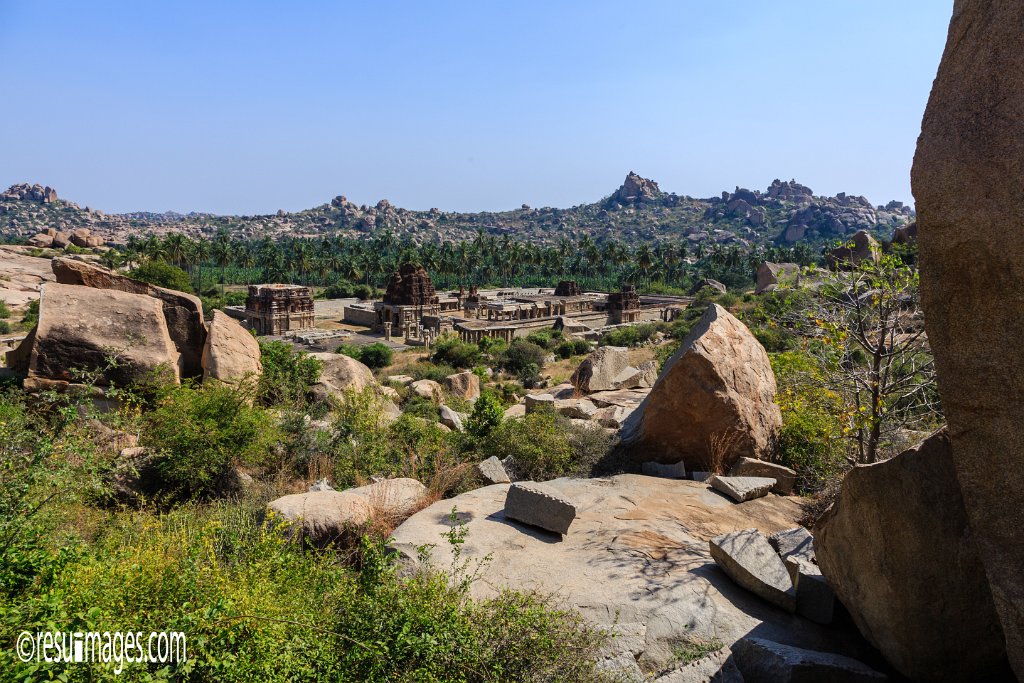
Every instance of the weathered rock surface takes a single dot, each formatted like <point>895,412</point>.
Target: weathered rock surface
<point>83,328</point>
<point>641,377</point>
<point>676,470</point>
<point>785,478</point>
<point>770,275</point>
<point>427,388</point>
<point>967,180</point>
<point>795,542</point>
<point>540,506</point>
<point>183,312</point>
<point>897,550</point>
<point>575,408</point>
<point>752,563</point>
<point>464,385</point>
<point>600,370</point>
<point>636,560</point>
<point>24,275</point>
<point>815,599</point>
<point>765,661</point>
<point>862,247</point>
<point>343,373</point>
<point>492,471</point>
<point>232,354</point>
<point>719,385</point>
<point>535,402</point>
<point>450,418</point>
<point>328,515</point>
<point>742,489</point>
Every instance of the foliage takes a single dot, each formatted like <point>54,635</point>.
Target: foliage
<point>487,415</point>
<point>5,327</point>
<point>287,374</point>
<point>544,445</point>
<point>31,317</point>
<point>572,347</point>
<point>374,356</point>
<point>5,310</point>
<point>812,439</point>
<point>874,351</point>
<point>163,274</point>
<point>545,338</point>
<point>450,350</point>
<point>523,359</point>
<point>630,335</point>
<point>199,433</point>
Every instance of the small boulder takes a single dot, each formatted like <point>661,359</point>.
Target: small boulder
<point>770,275</point>
<point>535,402</point>
<point>765,661</point>
<point>599,370</point>
<point>232,354</point>
<point>539,506</point>
<point>751,562</point>
<point>464,385</point>
<point>492,471</point>
<point>427,388</point>
<point>342,373</point>
<point>641,377</point>
<point>323,517</point>
<point>742,489</point>
<point>404,380</point>
<point>862,247</point>
<point>671,471</point>
<point>518,410</point>
<point>796,542</point>
<point>575,408</point>
<point>450,418</point>
<point>815,599</point>
<point>785,478</point>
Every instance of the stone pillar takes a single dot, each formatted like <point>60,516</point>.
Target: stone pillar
<point>387,331</point>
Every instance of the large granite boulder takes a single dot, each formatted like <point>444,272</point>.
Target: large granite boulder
<point>771,275</point>
<point>232,354</point>
<point>636,561</point>
<point>967,181</point>
<point>713,403</point>
<point>464,385</point>
<point>862,247</point>
<point>897,550</point>
<point>84,329</point>
<point>183,312</point>
<point>601,370</point>
<point>342,373</point>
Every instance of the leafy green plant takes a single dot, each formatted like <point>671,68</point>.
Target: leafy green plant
<point>544,445</point>
<point>487,415</point>
<point>163,274</point>
<point>450,350</point>
<point>287,374</point>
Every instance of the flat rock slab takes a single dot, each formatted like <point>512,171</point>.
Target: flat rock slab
<point>750,561</point>
<point>672,471</point>
<point>493,471</point>
<point>765,661</point>
<point>535,402</point>
<point>539,506</point>
<point>785,478</point>
<point>742,489</point>
<point>815,599</point>
<point>636,561</point>
<point>795,542</point>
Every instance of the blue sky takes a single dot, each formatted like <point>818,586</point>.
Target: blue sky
<point>245,108</point>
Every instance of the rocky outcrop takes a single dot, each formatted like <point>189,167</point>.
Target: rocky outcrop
<point>967,178</point>
<point>862,247</point>
<point>121,337</point>
<point>770,275</point>
<point>636,189</point>
<point>33,193</point>
<point>636,560</point>
<point>232,354</point>
<point>23,275</point>
<point>905,234</point>
<point>600,370</point>
<point>897,550</point>
<point>713,403</point>
<point>183,312</point>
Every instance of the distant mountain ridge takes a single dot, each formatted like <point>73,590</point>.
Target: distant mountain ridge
<point>638,211</point>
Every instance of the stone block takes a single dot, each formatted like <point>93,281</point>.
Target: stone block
<point>765,661</point>
<point>493,471</point>
<point>539,506</point>
<point>672,471</point>
<point>535,402</point>
<point>750,561</point>
<point>795,542</point>
<point>785,478</point>
<point>743,489</point>
<point>815,599</point>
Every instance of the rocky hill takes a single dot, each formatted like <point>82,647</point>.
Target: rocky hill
<point>638,211</point>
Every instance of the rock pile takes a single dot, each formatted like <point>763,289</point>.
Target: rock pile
<point>34,193</point>
<point>636,189</point>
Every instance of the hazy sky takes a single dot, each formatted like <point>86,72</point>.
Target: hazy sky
<point>248,107</point>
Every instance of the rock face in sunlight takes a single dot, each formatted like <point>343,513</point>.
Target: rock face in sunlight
<point>713,403</point>
<point>967,179</point>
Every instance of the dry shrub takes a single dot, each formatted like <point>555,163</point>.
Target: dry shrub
<point>720,444</point>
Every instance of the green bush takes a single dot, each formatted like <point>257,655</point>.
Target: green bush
<point>812,438</point>
<point>545,338</point>
<point>339,290</point>
<point>5,327</point>
<point>287,374</point>
<point>434,371</point>
<point>5,311</point>
<point>364,292</point>
<point>199,433</point>
<point>376,355</point>
<point>163,274</point>
<point>31,317</point>
<point>450,350</point>
<point>492,346</point>
<point>572,347</point>
<point>487,415</point>
<point>523,357</point>
<point>630,335</point>
<point>544,445</point>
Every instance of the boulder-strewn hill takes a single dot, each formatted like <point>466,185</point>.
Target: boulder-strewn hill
<point>639,211</point>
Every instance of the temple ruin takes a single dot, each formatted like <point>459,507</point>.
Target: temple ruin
<point>624,306</point>
<point>277,309</point>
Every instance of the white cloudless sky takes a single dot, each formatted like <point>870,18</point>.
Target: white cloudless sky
<point>250,107</point>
